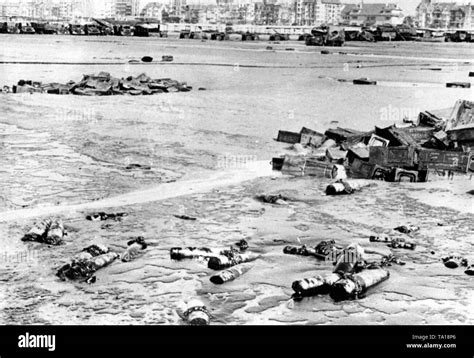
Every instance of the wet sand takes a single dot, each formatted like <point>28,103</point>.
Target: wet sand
<point>65,156</point>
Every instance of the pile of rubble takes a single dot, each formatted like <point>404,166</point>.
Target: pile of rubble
<point>411,152</point>
<point>103,84</point>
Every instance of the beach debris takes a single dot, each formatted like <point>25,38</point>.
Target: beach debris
<point>430,120</point>
<point>288,137</point>
<point>277,199</point>
<point>412,152</point>
<point>135,247</point>
<point>102,216</point>
<point>454,261</point>
<point>277,163</point>
<point>55,233</point>
<point>340,283</point>
<point>84,265</point>
<point>178,253</point>
<point>311,137</point>
<point>103,84</point>
<point>321,251</point>
<point>342,187</point>
<point>230,274</point>
<point>354,286</point>
<point>300,150</point>
<point>96,250</point>
<point>196,314</point>
<point>407,229</point>
<point>396,243</point>
<point>137,166</point>
<point>48,231</point>
<point>306,166</point>
<point>377,141</point>
<point>350,260</point>
<point>364,81</point>
<point>38,231</point>
<point>470,270</point>
<point>445,160</point>
<point>147,59</point>
<point>243,245</point>
<point>458,85</point>
<point>167,58</point>
<point>230,258</point>
<point>315,285</point>
<point>185,217</point>
<point>388,261</point>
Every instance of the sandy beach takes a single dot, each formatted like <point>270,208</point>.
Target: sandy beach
<point>209,152</point>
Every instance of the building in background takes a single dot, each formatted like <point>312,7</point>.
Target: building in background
<point>317,12</point>
<point>444,15</point>
<point>372,14</point>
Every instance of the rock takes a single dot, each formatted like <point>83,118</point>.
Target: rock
<point>147,59</point>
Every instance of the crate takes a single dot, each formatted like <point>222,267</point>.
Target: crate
<point>419,134</point>
<point>362,153</point>
<point>377,141</point>
<point>444,160</point>
<point>396,136</point>
<point>360,169</point>
<point>306,166</point>
<point>289,137</point>
<point>311,137</point>
<point>277,163</point>
<point>392,156</point>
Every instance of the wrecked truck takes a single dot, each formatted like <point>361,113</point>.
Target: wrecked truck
<point>325,36</point>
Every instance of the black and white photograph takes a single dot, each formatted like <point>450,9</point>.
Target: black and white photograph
<point>237,163</point>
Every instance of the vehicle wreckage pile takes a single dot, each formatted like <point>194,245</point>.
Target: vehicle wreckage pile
<point>412,152</point>
<point>103,84</point>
